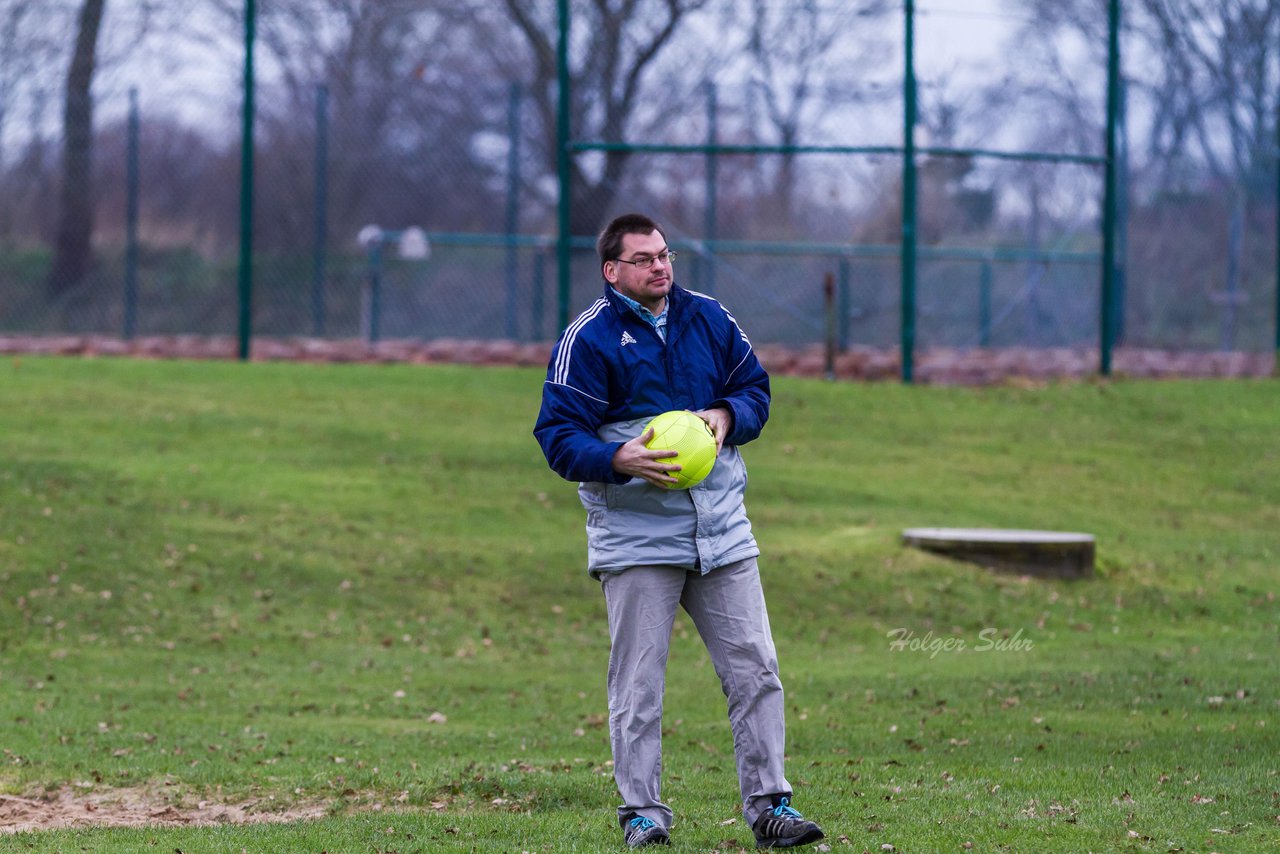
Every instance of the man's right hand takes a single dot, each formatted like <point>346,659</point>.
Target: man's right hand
<point>634,459</point>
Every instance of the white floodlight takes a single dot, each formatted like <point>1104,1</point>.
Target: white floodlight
<point>414,245</point>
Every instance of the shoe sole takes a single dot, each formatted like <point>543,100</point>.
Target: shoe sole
<point>807,839</point>
<point>653,840</point>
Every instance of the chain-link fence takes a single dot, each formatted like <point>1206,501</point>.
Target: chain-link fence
<point>765,135</point>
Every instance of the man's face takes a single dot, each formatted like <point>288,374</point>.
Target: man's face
<point>648,286</point>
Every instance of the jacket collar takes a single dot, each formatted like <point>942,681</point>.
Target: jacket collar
<point>677,301</point>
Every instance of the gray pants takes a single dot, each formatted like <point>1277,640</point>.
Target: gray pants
<point>727,606</point>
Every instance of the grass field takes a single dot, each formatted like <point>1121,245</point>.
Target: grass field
<point>360,587</point>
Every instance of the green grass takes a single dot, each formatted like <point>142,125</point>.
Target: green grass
<point>360,585</point>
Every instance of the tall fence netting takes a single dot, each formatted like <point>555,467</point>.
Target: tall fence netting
<point>441,117</point>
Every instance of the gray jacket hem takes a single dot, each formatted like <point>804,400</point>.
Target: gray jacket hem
<point>689,566</point>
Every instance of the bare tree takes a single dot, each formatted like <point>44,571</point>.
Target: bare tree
<point>799,52</point>
<point>366,56</point>
<point>24,50</point>
<point>1220,73</point>
<point>15,57</point>
<point>409,93</point>
<point>1206,73</point>
<point>72,250</point>
<point>1207,70</point>
<point>1222,66</point>
<point>615,45</point>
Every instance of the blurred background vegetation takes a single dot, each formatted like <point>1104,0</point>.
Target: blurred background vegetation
<point>442,116</point>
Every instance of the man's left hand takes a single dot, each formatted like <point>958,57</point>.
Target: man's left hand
<point>720,420</point>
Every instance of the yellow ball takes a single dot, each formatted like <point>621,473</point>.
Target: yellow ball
<point>692,440</point>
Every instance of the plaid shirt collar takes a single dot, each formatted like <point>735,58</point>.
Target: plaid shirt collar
<point>658,322</point>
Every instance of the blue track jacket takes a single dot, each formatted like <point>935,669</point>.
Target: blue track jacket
<point>609,374</point>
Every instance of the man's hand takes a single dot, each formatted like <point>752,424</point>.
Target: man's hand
<point>634,459</point>
<point>720,421</point>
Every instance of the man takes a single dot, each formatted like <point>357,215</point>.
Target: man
<point>645,347</point>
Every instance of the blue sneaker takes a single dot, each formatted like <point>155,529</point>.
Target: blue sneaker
<point>641,831</point>
<point>784,827</point>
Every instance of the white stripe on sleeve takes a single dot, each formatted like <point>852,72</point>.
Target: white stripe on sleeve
<point>560,375</point>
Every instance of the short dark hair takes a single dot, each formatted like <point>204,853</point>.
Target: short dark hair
<point>609,243</point>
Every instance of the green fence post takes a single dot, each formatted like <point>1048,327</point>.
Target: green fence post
<point>1275,370</point>
<point>1109,202</point>
<point>246,186</point>
<point>709,211</point>
<point>319,259</point>
<point>1121,285</point>
<point>830,333</point>
<point>539,294</point>
<point>131,220</point>
<point>908,322</point>
<point>845,298</point>
<point>563,174</point>
<point>375,290</point>
<point>513,207</point>
<point>984,305</point>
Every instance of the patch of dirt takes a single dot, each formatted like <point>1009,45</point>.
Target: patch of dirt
<point>137,807</point>
<point>933,365</point>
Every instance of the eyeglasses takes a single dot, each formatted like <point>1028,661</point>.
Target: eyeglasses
<point>647,263</point>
